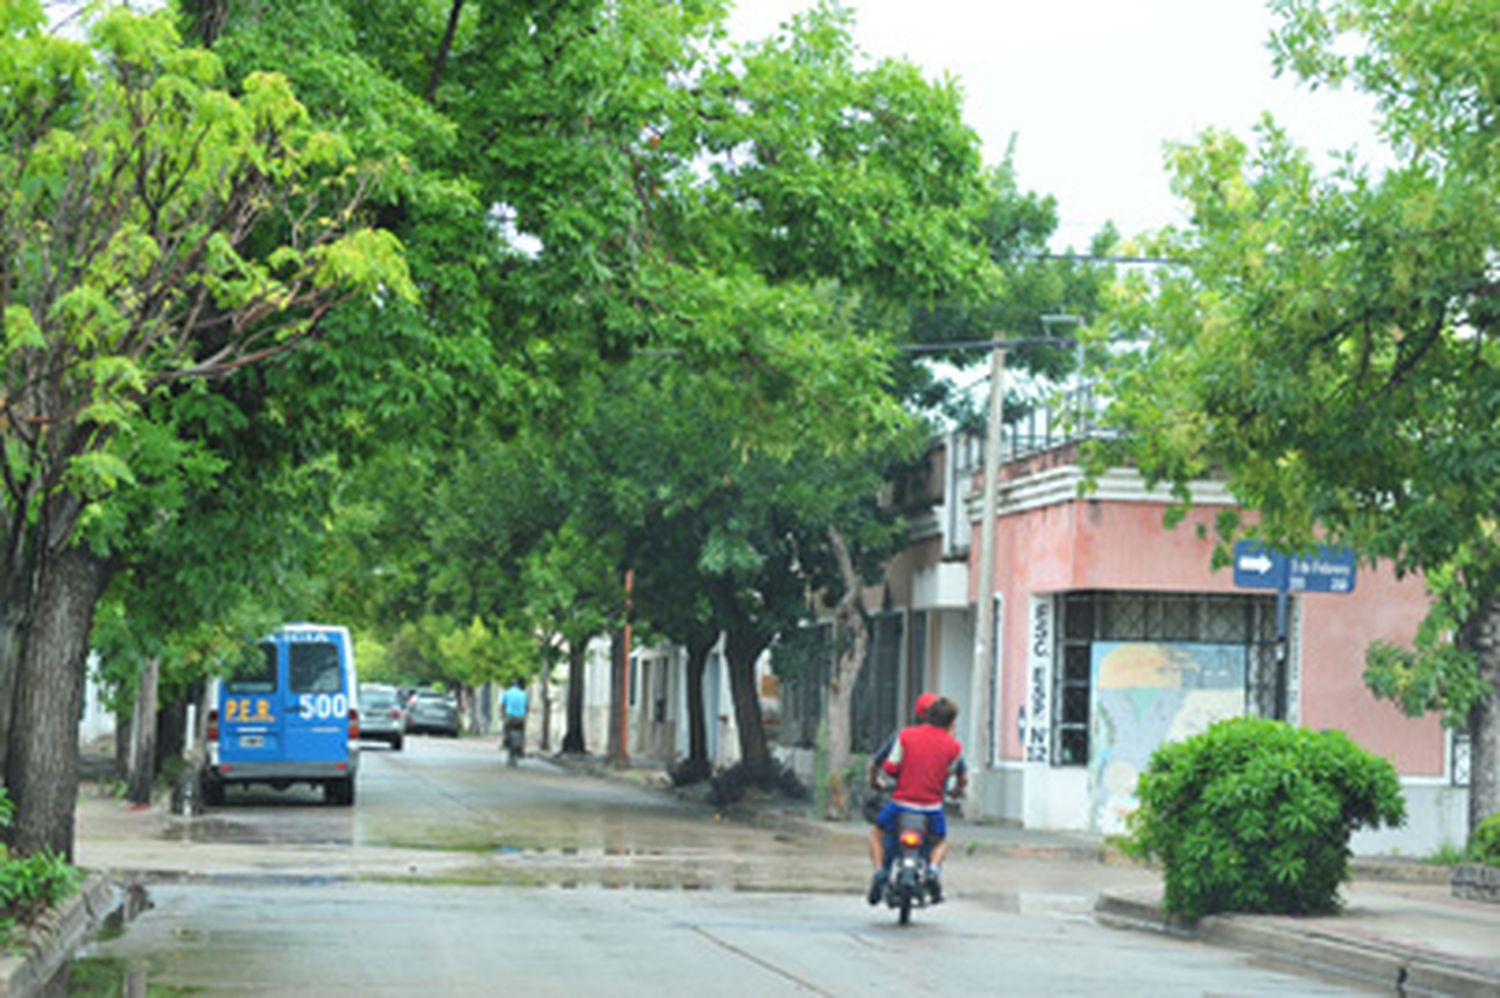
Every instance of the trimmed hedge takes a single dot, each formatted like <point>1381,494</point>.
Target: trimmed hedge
<point>1255,815</point>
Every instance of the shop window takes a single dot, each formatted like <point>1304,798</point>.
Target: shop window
<point>1088,617</point>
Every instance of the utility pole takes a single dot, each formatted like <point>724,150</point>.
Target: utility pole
<point>981,680</point>
<point>624,758</point>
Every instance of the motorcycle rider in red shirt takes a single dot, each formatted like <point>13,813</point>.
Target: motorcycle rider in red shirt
<point>922,760</point>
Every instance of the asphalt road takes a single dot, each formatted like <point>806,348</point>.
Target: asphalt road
<point>409,940</point>
<point>554,883</point>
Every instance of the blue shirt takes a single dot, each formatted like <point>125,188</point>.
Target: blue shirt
<point>513,702</point>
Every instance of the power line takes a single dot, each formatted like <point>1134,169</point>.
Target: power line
<point>1005,344</point>
<point>957,346</point>
<point>1145,261</point>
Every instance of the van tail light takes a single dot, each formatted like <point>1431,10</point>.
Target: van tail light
<point>353,722</point>
<point>212,732</point>
<point>396,713</point>
<point>911,838</point>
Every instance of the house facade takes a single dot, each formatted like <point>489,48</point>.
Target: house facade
<point>1113,635</point>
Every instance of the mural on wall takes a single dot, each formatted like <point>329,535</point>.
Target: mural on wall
<point>1145,694</point>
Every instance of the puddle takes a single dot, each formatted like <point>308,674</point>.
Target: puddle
<point>107,977</point>
<point>136,901</point>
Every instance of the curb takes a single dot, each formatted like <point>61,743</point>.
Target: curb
<point>1476,883</point>
<point>1399,871</point>
<point>1395,968</point>
<point>59,933</point>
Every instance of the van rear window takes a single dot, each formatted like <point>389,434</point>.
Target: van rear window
<point>315,668</point>
<point>254,670</point>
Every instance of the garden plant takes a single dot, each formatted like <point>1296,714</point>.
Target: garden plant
<point>1255,815</point>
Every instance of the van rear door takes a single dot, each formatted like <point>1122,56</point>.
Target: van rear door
<point>251,708</point>
<point>318,700</point>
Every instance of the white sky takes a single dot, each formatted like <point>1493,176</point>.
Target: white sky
<point>1093,89</point>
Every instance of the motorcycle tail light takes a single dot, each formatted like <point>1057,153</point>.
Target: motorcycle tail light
<point>911,837</point>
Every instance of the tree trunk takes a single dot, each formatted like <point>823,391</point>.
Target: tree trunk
<point>208,19</point>
<point>42,765</point>
<point>142,772</point>
<point>849,620</point>
<point>440,60</point>
<point>468,709</point>
<point>573,740</point>
<point>617,698</point>
<point>743,651</point>
<point>13,622</point>
<point>697,665</point>
<point>1484,717</point>
<point>547,702</point>
<point>171,729</point>
<point>122,747</point>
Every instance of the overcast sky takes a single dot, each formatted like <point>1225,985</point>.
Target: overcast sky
<point>1092,89</point>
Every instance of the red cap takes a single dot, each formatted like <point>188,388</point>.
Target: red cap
<point>925,701</point>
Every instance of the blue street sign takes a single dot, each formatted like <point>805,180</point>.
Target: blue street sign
<point>1322,570</point>
<point>1327,570</point>
<point>1258,567</point>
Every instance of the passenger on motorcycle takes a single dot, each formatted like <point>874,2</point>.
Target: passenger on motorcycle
<point>923,758</point>
<point>919,716</point>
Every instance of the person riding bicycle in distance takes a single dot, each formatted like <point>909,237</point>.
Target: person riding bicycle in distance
<point>922,760</point>
<point>513,705</point>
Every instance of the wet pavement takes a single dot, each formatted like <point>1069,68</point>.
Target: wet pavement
<point>449,813</point>
<point>445,811</point>
<point>402,939</point>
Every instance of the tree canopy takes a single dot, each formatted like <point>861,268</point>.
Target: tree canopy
<point>1330,346</point>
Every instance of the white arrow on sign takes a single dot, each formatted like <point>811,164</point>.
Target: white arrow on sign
<point>1260,564</point>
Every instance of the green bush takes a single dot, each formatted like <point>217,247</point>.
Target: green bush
<point>32,884</point>
<point>1255,816</point>
<point>1484,844</point>
<point>29,885</point>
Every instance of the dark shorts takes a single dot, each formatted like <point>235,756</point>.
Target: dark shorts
<point>937,821</point>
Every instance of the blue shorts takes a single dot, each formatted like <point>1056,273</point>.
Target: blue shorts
<point>937,821</point>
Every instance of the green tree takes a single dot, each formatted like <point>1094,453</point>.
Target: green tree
<point>1332,347</point>
<point>571,593</point>
<point>773,216</point>
<point>159,231</point>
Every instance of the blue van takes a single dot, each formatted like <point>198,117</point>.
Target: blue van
<point>287,712</point>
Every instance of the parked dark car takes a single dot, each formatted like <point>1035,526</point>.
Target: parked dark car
<point>431,711</point>
<point>381,715</point>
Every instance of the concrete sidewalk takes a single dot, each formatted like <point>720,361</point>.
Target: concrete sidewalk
<point>1410,939</point>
